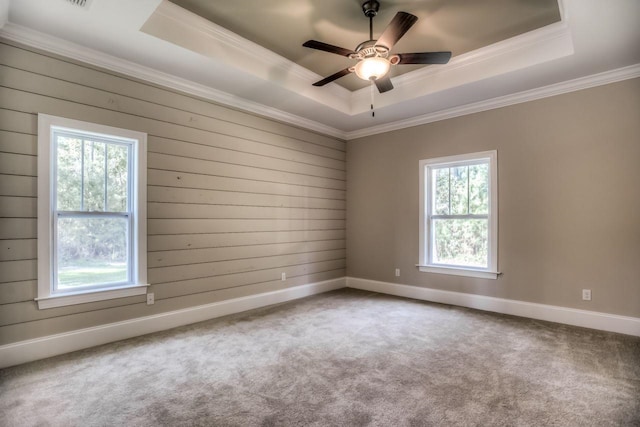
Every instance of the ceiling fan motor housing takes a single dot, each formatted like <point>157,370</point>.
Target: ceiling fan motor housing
<point>370,8</point>
<point>368,49</point>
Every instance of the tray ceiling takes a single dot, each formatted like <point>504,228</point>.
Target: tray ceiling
<point>459,26</point>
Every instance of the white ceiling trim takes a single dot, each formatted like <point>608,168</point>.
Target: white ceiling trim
<point>612,76</point>
<point>75,51</point>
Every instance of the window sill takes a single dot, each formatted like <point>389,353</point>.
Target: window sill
<point>90,296</point>
<point>456,271</point>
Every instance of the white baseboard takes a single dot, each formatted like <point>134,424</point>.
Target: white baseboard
<point>53,345</point>
<point>551,313</point>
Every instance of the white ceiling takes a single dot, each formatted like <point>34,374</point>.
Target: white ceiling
<point>596,42</point>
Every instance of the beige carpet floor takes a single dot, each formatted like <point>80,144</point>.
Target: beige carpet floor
<point>344,358</point>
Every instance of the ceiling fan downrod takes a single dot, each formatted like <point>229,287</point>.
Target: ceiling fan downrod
<point>370,9</point>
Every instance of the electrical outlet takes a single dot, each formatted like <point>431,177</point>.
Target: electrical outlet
<point>150,298</point>
<point>586,294</point>
<point>397,272</point>
<point>284,276</point>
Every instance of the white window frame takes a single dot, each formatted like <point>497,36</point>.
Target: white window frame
<point>48,297</point>
<point>425,263</point>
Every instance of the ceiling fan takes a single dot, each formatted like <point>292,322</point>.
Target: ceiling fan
<point>373,55</point>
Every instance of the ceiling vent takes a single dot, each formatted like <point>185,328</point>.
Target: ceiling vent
<point>81,3</point>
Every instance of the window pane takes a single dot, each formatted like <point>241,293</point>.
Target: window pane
<point>459,178</point>
<point>69,173</point>
<point>94,175</point>
<point>91,251</point>
<point>441,195</point>
<point>460,242</point>
<point>118,177</point>
<point>479,189</point>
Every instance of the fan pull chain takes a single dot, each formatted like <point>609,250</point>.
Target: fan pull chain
<point>373,113</point>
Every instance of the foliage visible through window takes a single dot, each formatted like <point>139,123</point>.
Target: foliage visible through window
<point>92,211</point>
<point>459,214</point>
<point>460,219</point>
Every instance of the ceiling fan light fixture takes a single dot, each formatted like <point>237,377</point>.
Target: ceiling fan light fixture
<point>373,55</point>
<point>372,68</point>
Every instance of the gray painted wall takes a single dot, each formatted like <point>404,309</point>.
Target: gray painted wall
<point>233,199</point>
<point>569,199</point>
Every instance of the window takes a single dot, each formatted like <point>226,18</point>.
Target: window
<point>91,212</point>
<point>459,215</point>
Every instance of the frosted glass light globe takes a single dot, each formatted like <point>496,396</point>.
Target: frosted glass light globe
<point>372,68</point>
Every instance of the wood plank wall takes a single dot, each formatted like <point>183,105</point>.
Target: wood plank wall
<point>234,200</point>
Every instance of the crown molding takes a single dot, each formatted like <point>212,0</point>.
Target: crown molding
<point>612,76</point>
<point>38,40</point>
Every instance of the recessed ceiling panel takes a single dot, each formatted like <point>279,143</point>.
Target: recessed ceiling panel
<point>459,26</point>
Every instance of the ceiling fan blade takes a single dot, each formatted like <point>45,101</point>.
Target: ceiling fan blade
<point>333,77</point>
<point>399,25</point>
<point>424,58</point>
<point>314,44</point>
<point>384,84</point>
